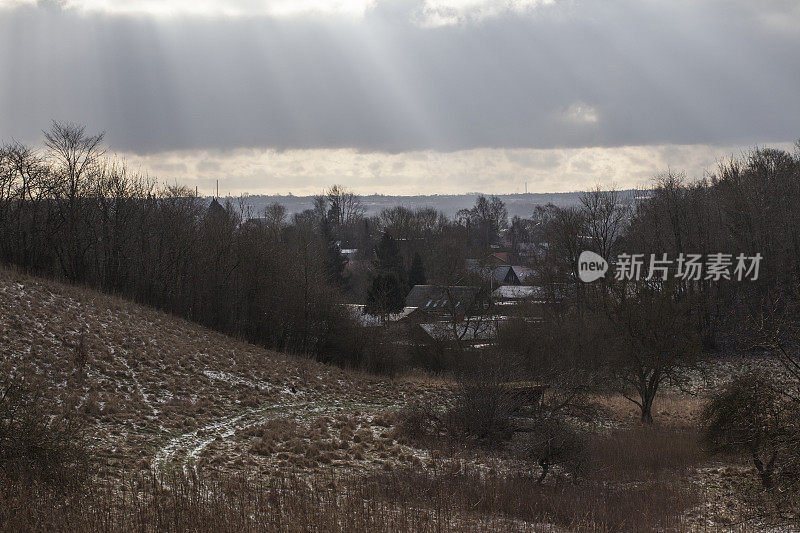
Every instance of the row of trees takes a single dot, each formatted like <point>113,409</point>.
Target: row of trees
<point>68,211</point>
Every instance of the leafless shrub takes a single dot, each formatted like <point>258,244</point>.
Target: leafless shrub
<point>750,417</point>
<point>483,410</point>
<point>554,442</point>
<point>38,441</point>
<point>418,423</point>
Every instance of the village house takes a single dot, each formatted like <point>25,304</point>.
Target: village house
<point>456,301</point>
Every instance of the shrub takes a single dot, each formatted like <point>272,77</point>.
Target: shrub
<point>750,417</point>
<point>417,423</point>
<point>483,410</point>
<point>38,442</point>
<point>555,442</point>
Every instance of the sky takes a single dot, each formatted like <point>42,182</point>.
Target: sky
<point>406,96</point>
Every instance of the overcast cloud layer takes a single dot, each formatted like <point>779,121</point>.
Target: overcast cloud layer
<point>398,78</point>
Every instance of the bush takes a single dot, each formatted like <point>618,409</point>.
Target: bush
<point>38,442</point>
<point>750,417</point>
<point>555,442</point>
<point>418,423</point>
<point>484,411</point>
<point>480,412</point>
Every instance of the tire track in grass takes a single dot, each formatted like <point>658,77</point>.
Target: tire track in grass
<point>194,442</point>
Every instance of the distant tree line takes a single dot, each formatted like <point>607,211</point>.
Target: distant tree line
<point>69,212</point>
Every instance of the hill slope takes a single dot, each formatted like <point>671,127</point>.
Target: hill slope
<point>157,389</point>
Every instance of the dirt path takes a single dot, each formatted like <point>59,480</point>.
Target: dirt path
<point>184,450</point>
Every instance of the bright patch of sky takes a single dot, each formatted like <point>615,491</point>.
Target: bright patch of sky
<point>500,171</point>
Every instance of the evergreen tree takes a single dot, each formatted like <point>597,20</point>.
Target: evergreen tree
<point>386,295</point>
<point>416,274</point>
<point>387,292</point>
<point>387,255</point>
<point>334,261</point>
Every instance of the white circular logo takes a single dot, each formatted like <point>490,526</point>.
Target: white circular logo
<point>591,266</point>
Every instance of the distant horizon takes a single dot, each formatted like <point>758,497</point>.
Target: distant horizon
<point>435,195</point>
<point>521,204</point>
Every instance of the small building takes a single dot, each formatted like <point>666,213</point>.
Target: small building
<point>456,300</point>
<point>511,274</point>
<point>517,293</point>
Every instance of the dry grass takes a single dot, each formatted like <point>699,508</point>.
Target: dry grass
<point>669,409</point>
<point>142,377</point>
<point>586,506</point>
<point>349,442</point>
<point>406,500</point>
<point>640,454</point>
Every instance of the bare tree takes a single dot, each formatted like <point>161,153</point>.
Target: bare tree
<point>486,219</point>
<point>561,230</point>
<point>653,341</point>
<point>606,215</point>
<point>275,218</point>
<point>344,206</point>
<point>74,156</point>
<point>74,153</point>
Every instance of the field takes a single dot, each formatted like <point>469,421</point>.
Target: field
<point>191,430</point>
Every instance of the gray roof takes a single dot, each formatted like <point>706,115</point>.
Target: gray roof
<point>522,272</point>
<point>518,292</point>
<point>511,274</point>
<point>437,298</point>
<point>504,274</point>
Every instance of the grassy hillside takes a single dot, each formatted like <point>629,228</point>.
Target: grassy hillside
<point>190,430</point>
<point>156,389</point>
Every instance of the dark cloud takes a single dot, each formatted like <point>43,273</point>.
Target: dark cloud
<point>571,74</point>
